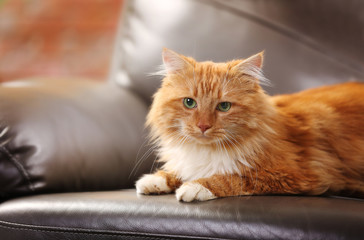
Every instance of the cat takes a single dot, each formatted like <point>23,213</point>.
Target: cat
<point>219,134</point>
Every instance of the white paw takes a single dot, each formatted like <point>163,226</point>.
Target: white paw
<point>152,184</point>
<point>189,192</point>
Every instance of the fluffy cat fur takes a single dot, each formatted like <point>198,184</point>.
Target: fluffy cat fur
<point>311,142</point>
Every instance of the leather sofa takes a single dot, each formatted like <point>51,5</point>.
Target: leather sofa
<point>71,150</point>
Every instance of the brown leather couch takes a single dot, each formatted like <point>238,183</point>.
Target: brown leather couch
<point>71,150</point>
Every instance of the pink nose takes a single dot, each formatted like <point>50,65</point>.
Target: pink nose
<point>204,127</point>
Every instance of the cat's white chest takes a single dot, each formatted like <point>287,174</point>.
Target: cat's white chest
<point>191,162</point>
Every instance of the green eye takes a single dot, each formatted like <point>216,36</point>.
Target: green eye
<point>224,106</point>
<point>189,103</point>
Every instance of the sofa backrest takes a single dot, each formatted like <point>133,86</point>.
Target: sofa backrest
<point>307,43</point>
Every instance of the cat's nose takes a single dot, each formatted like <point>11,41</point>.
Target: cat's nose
<point>203,127</point>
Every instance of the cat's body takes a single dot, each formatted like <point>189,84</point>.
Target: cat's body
<point>220,135</point>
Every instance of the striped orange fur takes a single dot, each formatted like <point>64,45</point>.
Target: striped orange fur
<point>311,142</point>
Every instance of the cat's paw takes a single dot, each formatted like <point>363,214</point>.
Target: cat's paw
<point>192,191</point>
<point>152,184</point>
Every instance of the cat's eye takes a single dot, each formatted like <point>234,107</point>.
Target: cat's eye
<point>189,103</point>
<point>224,106</point>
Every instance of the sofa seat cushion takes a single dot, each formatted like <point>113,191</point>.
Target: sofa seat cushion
<point>124,214</point>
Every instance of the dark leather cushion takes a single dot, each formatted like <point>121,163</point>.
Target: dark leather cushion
<point>307,43</point>
<point>124,215</point>
<point>59,135</point>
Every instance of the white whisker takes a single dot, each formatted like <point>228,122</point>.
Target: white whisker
<point>140,161</point>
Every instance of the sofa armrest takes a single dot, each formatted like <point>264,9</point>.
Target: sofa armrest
<point>69,135</point>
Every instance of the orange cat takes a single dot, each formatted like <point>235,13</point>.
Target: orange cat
<point>220,135</point>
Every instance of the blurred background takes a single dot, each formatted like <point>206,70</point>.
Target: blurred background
<point>308,43</point>
<point>57,38</point>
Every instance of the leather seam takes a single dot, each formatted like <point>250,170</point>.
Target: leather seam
<point>80,231</point>
<point>23,172</point>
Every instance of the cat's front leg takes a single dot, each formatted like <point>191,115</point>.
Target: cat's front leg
<point>264,182</point>
<point>216,186</point>
<point>160,182</point>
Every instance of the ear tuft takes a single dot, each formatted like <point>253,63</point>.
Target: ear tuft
<point>252,66</point>
<point>173,62</point>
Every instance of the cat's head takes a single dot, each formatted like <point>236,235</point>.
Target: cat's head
<point>207,103</point>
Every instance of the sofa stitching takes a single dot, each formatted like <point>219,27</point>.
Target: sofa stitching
<point>19,166</point>
<point>121,235</point>
<point>73,231</point>
<point>63,230</point>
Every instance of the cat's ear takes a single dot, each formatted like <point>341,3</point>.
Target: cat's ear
<point>252,66</point>
<point>173,62</point>
<point>254,61</point>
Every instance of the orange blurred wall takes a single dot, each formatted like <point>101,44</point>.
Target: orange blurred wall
<point>57,38</point>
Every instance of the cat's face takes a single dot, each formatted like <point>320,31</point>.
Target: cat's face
<point>205,102</point>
